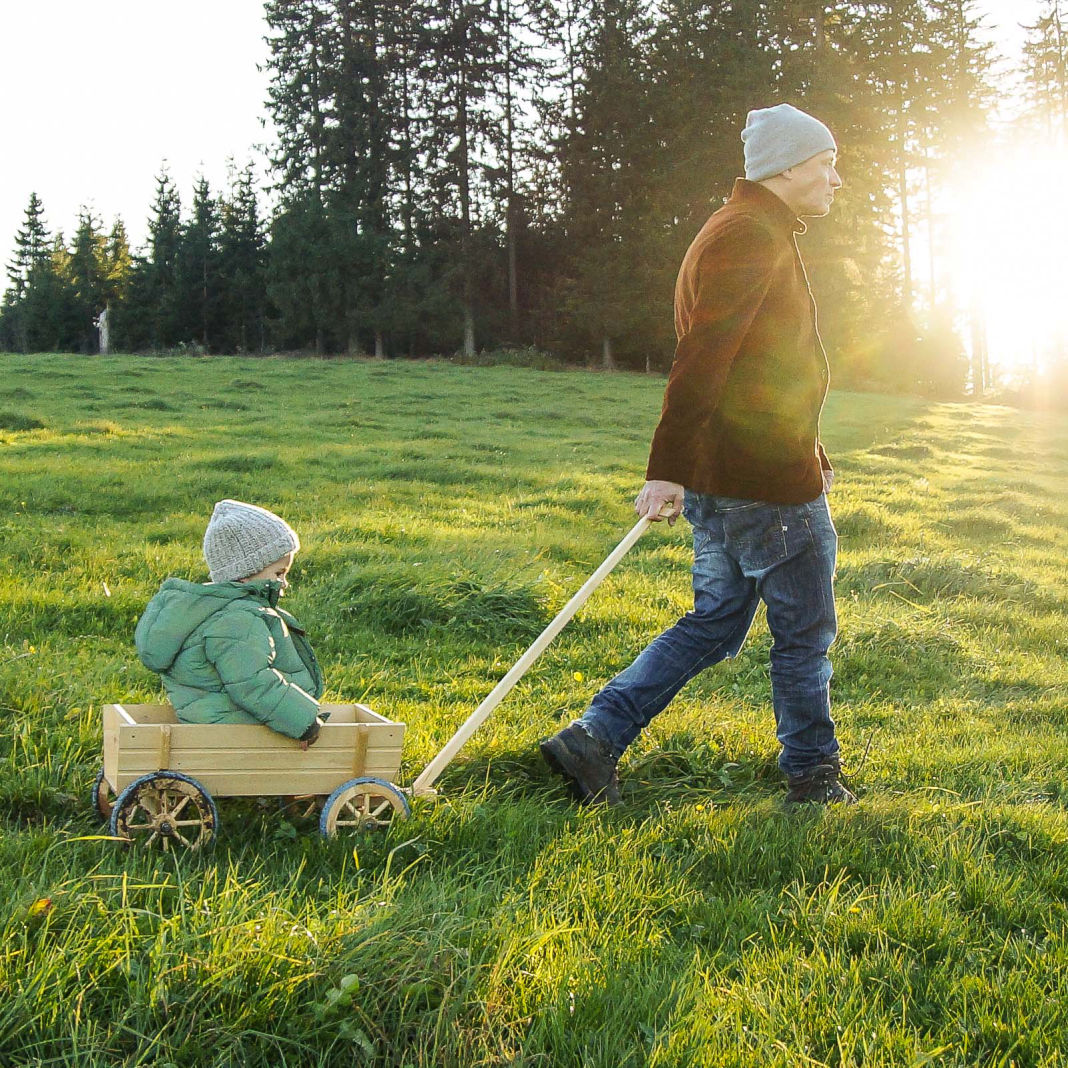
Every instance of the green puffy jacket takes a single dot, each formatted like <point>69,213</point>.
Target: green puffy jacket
<point>228,654</point>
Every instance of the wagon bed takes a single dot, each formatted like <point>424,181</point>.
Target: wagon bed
<point>160,777</point>
<point>239,760</point>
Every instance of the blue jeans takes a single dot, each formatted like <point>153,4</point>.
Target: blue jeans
<point>744,552</point>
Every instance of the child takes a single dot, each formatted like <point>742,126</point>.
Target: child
<point>225,650</point>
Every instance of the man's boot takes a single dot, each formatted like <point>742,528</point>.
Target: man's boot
<point>588,764</point>
<point>821,785</point>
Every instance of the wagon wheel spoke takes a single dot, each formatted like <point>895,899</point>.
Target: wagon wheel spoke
<point>359,812</point>
<point>139,826</point>
<point>185,841</point>
<point>187,823</point>
<point>181,804</point>
<point>152,838</point>
<point>352,811</point>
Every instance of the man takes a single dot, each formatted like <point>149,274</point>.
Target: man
<point>738,450</point>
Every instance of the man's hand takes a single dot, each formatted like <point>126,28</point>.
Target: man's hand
<point>828,479</point>
<point>655,495</point>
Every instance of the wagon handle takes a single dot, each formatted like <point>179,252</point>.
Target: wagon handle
<point>422,785</point>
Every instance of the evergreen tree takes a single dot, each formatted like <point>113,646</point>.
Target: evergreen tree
<point>160,296</point>
<point>152,317</point>
<point>300,282</point>
<point>1046,70</point>
<point>325,98</point>
<point>31,246</point>
<point>118,280</point>
<point>51,307</point>
<point>359,150</point>
<point>32,256</point>
<point>608,162</point>
<point>242,265</point>
<point>87,274</point>
<point>299,48</point>
<point>119,263</point>
<point>198,282</point>
<point>524,28</point>
<point>465,52</point>
<point>406,287</point>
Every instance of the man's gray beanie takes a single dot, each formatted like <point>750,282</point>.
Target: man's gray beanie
<point>242,539</point>
<point>781,137</point>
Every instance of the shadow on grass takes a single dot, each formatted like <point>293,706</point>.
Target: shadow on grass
<point>675,773</point>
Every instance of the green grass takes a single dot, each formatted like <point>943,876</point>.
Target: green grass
<point>447,512</point>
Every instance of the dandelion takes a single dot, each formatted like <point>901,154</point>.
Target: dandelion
<point>41,907</point>
<point>578,676</point>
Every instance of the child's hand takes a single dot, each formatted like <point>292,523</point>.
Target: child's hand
<point>311,735</point>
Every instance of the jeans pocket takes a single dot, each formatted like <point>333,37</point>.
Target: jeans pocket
<point>755,536</point>
<point>736,504</point>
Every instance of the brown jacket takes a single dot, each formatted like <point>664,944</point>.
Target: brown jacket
<point>743,400</point>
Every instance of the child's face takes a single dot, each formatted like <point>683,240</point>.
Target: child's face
<point>278,571</point>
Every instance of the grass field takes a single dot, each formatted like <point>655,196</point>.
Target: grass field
<point>447,513</point>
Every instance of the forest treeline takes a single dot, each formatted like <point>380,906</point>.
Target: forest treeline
<point>464,175</point>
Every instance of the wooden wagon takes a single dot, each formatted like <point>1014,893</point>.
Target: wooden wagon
<point>160,777</point>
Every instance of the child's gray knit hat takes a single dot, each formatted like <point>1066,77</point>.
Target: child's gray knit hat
<point>242,539</point>
<point>782,137</point>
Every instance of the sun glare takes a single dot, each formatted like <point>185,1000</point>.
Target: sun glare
<point>1009,233</point>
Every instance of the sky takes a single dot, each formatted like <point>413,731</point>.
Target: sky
<point>95,95</point>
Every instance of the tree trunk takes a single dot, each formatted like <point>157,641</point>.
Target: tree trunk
<point>380,348</point>
<point>465,199</point>
<point>932,276</point>
<point>607,360</point>
<point>980,366</point>
<point>469,332</point>
<point>509,133</point>
<point>204,305</point>
<point>903,196</point>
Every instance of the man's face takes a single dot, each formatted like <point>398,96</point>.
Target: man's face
<point>811,185</point>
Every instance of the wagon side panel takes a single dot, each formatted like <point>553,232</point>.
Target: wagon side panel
<point>244,761</point>
<point>240,760</point>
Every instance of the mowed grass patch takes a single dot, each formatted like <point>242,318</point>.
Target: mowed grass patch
<point>447,513</point>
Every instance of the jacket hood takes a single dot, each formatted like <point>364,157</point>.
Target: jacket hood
<point>181,606</point>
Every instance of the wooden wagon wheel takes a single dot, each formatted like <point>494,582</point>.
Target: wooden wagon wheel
<point>362,805</point>
<point>167,810</point>
<point>102,796</point>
